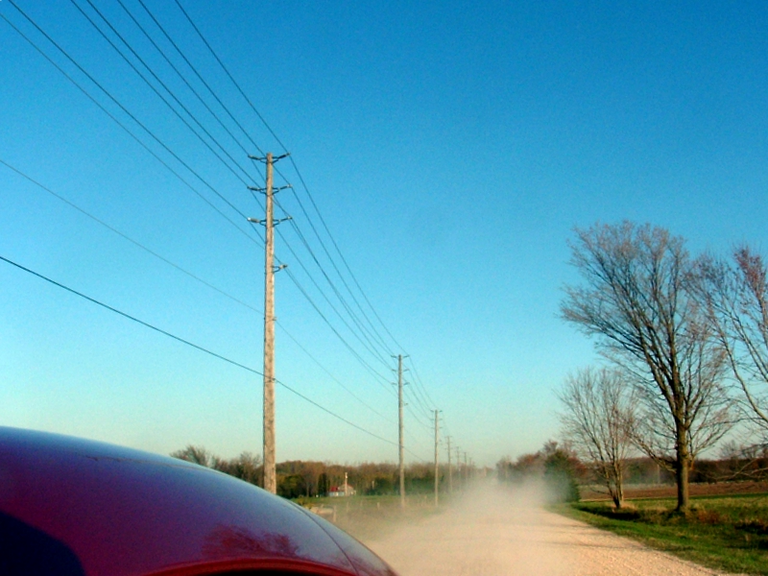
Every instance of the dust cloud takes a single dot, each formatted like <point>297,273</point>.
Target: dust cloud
<point>499,530</point>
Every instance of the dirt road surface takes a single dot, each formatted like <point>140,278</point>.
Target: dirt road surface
<point>495,532</point>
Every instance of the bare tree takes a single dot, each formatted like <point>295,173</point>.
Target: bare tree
<point>598,415</point>
<point>196,455</point>
<point>735,296</point>
<point>708,415</point>
<point>246,466</point>
<point>634,300</point>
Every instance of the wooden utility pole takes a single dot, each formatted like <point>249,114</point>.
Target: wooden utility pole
<point>270,474</point>
<point>400,435</point>
<point>450,468</point>
<point>458,469</point>
<point>437,440</point>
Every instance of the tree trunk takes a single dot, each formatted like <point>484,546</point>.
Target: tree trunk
<point>617,497</point>
<point>619,494</point>
<point>616,487</point>
<point>682,468</point>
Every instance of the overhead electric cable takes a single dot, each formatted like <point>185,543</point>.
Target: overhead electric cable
<point>387,352</point>
<point>338,250</point>
<point>423,411</point>
<point>338,335</point>
<point>213,53</point>
<point>168,90</point>
<point>194,69</point>
<point>324,369</point>
<point>129,239</point>
<point>416,418</point>
<point>125,110</point>
<point>125,128</point>
<point>178,72</point>
<point>420,384</point>
<point>353,316</point>
<point>192,345</point>
<point>194,277</point>
<point>292,161</point>
<point>322,293</point>
<point>364,330</point>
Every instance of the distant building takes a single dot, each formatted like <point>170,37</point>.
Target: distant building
<point>339,491</point>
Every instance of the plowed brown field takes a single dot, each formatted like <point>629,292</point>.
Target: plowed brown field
<point>670,490</point>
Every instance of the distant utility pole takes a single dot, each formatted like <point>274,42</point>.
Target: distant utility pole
<point>400,435</point>
<point>270,475</point>
<point>450,468</point>
<point>458,469</point>
<point>346,485</point>
<point>437,441</point>
<point>466,470</point>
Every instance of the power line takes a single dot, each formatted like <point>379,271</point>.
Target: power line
<point>121,125</point>
<point>125,128</point>
<point>293,163</point>
<point>338,250</point>
<point>168,90</point>
<point>352,315</point>
<point>128,238</point>
<point>336,332</point>
<point>424,408</point>
<point>191,275</point>
<point>416,418</point>
<point>298,231</point>
<point>324,369</point>
<point>213,53</point>
<point>124,109</point>
<point>347,307</point>
<point>420,384</point>
<point>178,72</point>
<point>192,345</point>
<point>371,335</point>
<point>322,293</point>
<point>157,93</point>
<point>344,282</point>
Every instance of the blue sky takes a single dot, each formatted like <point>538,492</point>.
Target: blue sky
<point>450,149</point>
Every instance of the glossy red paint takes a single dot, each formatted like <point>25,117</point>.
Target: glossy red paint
<point>73,506</point>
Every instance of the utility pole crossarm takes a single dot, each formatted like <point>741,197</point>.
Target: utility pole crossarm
<point>269,159</point>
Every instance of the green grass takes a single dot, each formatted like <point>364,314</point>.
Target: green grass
<point>727,533</point>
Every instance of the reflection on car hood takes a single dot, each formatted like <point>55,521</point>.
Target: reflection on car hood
<point>73,506</point>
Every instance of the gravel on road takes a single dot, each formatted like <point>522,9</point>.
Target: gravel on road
<point>493,531</point>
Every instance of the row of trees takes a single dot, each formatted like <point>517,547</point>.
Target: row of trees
<point>681,336</point>
<point>309,478</point>
<point>556,466</point>
<point>560,468</point>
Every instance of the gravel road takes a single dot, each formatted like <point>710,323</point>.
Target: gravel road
<point>493,532</point>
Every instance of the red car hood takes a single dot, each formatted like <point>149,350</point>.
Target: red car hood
<point>72,506</point>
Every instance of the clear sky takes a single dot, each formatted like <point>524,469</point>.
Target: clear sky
<point>450,149</point>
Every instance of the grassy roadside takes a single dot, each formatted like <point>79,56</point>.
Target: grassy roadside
<point>369,517</point>
<point>728,533</point>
